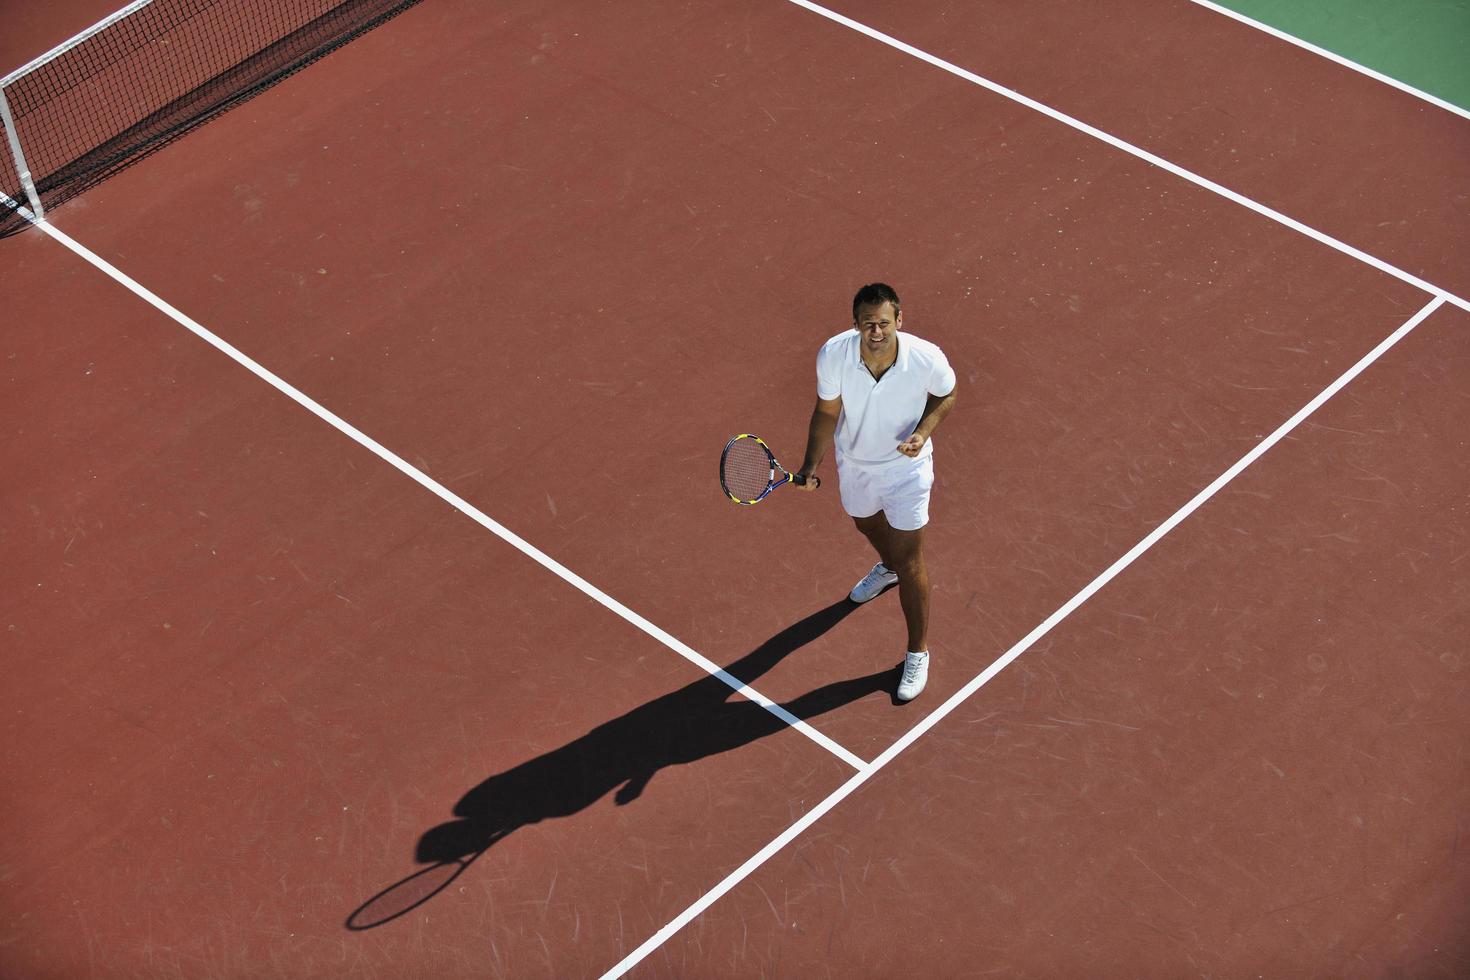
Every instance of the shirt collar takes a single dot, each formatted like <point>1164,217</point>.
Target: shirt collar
<point>902,361</point>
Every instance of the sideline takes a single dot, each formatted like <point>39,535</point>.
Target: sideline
<point>443,492</point>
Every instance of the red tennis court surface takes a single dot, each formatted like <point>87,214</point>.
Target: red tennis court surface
<point>267,692</point>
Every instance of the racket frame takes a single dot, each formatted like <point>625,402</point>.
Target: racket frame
<point>772,482</point>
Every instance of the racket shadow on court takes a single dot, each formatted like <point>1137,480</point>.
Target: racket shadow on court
<point>621,757</point>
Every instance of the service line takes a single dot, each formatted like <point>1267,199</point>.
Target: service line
<point>1138,152</point>
<point>442,492</point>
<point>1026,642</point>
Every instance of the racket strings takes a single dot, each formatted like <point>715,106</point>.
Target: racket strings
<point>746,469</point>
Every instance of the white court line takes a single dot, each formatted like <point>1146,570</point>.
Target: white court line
<point>1138,152</point>
<point>448,496</point>
<point>1333,56</point>
<point>864,770</point>
<point>960,696</point>
<point>15,205</point>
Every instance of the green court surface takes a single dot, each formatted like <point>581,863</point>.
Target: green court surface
<point>1423,43</point>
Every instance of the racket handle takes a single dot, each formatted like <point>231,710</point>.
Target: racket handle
<point>798,479</point>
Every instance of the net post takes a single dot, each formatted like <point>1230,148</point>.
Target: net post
<point>19,156</point>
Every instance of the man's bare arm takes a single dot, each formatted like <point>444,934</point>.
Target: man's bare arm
<point>819,438</point>
<point>935,409</point>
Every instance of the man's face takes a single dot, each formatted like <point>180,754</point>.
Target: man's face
<point>878,323</point>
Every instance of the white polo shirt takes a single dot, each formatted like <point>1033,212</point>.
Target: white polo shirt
<point>878,415</point>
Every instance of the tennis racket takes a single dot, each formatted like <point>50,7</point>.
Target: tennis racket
<point>749,471</point>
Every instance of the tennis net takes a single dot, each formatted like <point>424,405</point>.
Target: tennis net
<point>147,75</point>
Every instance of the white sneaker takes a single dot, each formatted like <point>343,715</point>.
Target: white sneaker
<point>915,675</point>
<point>874,582</point>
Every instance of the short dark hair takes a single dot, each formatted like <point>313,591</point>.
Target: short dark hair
<point>874,294</point>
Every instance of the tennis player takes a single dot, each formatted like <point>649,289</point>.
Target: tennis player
<point>880,396</point>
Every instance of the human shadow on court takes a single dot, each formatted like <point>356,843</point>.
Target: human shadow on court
<point>696,721</point>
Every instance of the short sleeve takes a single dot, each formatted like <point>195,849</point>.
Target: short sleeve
<point>941,376</point>
<point>829,373</point>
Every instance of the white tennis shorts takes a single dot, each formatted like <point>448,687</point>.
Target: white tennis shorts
<point>899,488</point>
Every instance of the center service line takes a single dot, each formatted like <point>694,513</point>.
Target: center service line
<point>960,696</point>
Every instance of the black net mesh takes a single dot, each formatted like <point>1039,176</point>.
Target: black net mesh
<point>155,74</point>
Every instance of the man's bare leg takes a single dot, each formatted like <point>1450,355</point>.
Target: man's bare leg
<point>903,552</point>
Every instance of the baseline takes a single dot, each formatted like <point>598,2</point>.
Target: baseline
<point>1026,642</point>
<point>1333,56</point>
<point>1139,152</point>
<point>448,496</point>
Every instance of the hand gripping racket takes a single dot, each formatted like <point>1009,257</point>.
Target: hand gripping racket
<point>749,471</point>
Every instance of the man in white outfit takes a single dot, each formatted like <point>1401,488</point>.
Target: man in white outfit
<point>879,399</point>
